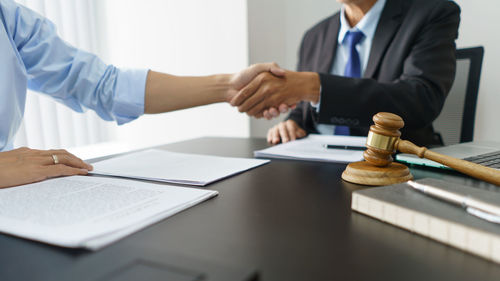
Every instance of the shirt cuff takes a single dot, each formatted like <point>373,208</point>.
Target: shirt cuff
<point>316,105</point>
<point>128,103</point>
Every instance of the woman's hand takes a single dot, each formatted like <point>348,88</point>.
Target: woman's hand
<point>24,165</point>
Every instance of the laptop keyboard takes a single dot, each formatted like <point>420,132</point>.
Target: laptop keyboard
<point>491,159</point>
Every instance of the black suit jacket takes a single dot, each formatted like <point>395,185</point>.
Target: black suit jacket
<point>410,70</point>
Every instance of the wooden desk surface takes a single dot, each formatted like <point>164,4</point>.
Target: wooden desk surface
<point>289,219</point>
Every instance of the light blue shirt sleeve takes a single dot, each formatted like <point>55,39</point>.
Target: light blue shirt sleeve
<point>73,77</point>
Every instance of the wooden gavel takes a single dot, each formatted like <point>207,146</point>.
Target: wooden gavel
<point>384,140</point>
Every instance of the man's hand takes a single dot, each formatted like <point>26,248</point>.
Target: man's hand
<point>285,131</point>
<point>241,79</point>
<point>275,112</point>
<point>268,92</point>
<point>24,165</point>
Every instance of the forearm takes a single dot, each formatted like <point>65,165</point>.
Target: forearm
<point>166,92</point>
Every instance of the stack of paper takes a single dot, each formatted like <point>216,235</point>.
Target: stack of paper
<point>313,148</point>
<point>172,167</point>
<point>90,212</point>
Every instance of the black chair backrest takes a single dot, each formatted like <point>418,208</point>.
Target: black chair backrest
<point>455,124</point>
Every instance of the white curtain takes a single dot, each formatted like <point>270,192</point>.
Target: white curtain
<point>48,124</point>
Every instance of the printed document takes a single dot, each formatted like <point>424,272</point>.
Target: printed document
<point>173,167</point>
<point>314,148</point>
<point>90,212</point>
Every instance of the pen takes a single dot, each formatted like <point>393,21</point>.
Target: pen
<point>473,206</point>
<point>346,147</point>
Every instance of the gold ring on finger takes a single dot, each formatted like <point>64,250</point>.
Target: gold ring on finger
<point>56,160</point>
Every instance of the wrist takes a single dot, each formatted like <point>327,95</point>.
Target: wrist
<point>223,87</point>
<point>311,86</point>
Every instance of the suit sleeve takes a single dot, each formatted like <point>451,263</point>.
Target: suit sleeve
<point>417,95</point>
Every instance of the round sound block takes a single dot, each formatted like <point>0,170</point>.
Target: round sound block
<point>366,174</point>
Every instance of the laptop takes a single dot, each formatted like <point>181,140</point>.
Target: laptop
<point>486,153</point>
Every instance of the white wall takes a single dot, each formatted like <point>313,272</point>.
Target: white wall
<point>189,37</point>
<point>479,26</point>
<point>276,28</point>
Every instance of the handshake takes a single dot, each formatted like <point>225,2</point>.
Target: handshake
<point>266,90</point>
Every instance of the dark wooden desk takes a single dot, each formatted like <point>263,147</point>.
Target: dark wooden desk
<point>289,219</point>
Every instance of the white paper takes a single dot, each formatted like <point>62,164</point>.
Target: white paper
<point>90,212</point>
<point>312,148</point>
<point>172,167</point>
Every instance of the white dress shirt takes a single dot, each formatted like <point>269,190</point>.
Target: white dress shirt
<point>367,25</point>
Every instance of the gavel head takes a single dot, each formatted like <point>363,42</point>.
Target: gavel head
<point>382,138</point>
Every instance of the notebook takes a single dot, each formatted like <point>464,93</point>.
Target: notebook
<point>414,211</point>
<point>486,153</point>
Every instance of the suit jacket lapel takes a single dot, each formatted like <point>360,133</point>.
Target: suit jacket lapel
<point>389,22</point>
<point>329,48</point>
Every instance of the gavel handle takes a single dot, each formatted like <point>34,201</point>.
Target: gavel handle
<point>472,169</point>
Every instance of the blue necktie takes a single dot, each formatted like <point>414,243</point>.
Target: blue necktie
<point>352,68</point>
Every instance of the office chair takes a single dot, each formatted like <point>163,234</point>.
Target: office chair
<point>455,123</point>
